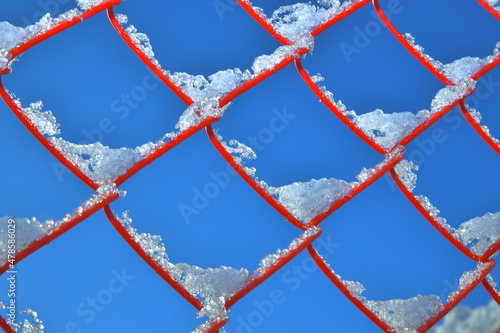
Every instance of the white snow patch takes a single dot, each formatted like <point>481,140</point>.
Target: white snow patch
<point>387,129</point>
<point>87,4</point>
<point>100,163</point>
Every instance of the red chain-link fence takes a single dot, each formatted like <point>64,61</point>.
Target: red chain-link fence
<point>305,205</point>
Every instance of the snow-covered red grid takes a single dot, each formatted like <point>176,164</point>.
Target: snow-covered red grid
<point>212,291</point>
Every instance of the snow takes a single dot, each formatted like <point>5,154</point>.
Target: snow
<point>462,319</point>
<point>87,4</point>
<point>198,88</point>
<point>266,62</point>
<point>12,36</point>
<point>272,259</point>
<point>387,129</point>
<point>404,170</point>
<point>26,326</point>
<point>29,230</point>
<point>480,232</point>
<point>295,21</point>
<point>199,111</point>
<point>403,315</point>
<point>214,285</point>
<point>406,315</point>
<point>467,278</point>
<point>476,115</point>
<point>26,231</point>
<point>462,69</point>
<point>100,163</point>
<point>306,200</point>
<point>43,120</point>
<point>450,94</point>
<point>140,39</point>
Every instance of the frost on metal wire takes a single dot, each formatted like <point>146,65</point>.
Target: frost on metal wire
<point>32,324</point>
<point>478,233</point>
<point>213,286</point>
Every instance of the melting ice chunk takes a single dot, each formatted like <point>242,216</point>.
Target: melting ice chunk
<point>306,200</point>
<point>387,129</point>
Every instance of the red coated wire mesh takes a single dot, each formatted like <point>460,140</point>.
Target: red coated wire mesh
<point>206,110</point>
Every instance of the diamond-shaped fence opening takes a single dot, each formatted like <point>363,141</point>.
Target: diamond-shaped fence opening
<point>232,168</point>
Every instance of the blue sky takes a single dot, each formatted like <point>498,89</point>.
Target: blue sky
<point>99,90</point>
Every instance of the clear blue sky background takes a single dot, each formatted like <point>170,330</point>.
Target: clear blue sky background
<point>378,238</point>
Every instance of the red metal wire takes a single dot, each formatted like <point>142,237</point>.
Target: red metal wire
<point>61,26</point>
<point>47,238</point>
<point>6,327</point>
<point>383,168</point>
<point>489,8</point>
<point>450,304</point>
<point>424,61</point>
<point>495,294</point>
<point>477,127</point>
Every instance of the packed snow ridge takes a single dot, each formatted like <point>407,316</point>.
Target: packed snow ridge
<point>408,315</point>
<point>12,36</point>
<point>213,285</point>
